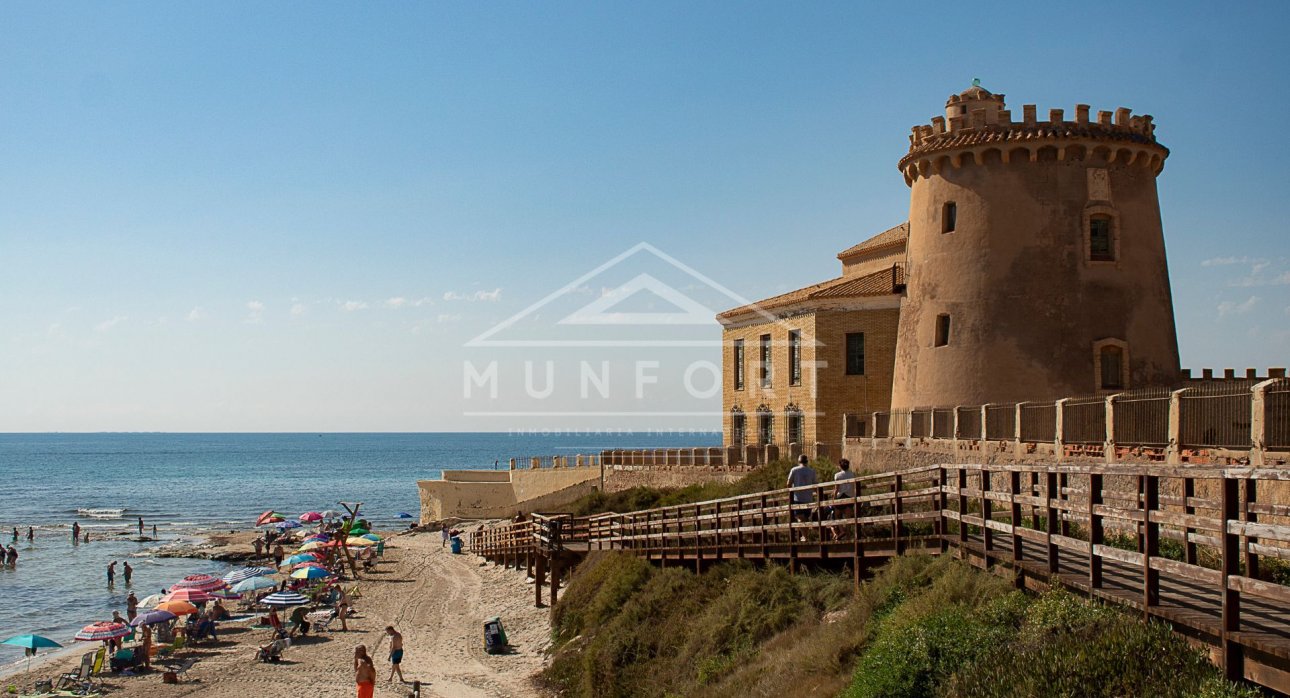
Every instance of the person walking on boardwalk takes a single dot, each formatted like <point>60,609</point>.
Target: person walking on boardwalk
<point>364,672</point>
<point>76,531</point>
<point>844,488</point>
<point>111,573</point>
<point>802,475</point>
<point>396,653</point>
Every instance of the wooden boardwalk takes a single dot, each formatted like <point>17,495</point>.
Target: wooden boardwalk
<point>1100,530</point>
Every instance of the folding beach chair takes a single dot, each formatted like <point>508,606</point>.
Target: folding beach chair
<point>81,675</point>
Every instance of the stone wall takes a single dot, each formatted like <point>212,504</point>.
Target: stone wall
<point>486,494</point>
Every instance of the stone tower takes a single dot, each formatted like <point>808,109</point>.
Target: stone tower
<point>1036,259</point>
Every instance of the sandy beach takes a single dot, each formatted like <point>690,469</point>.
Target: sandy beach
<point>437,600</point>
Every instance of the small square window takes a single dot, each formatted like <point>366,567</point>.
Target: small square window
<point>949,216</point>
<point>942,330</point>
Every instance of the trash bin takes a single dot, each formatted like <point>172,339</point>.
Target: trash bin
<point>456,545</point>
<point>494,636</point>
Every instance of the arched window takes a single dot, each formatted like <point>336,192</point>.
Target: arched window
<point>1111,364</point>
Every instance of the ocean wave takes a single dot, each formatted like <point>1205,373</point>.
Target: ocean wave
<point>104,513</point>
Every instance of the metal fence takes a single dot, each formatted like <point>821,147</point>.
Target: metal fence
<point>1001,422</point>
<point>1142,417</point>
<point>1276,415</point>
<point>1039,422</point>
<point>1215,416</point>
<point>920,423</point>
<point>899,426</point>
<point>882,425</point>
<point>969,423</point>
<point>1084,420</point>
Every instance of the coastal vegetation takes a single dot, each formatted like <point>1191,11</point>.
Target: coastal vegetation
<point>922,626</point>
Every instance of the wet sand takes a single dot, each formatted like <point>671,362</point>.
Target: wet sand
<point>437,600</point>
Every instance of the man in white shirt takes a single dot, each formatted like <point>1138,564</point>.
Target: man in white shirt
<point>844,488</point>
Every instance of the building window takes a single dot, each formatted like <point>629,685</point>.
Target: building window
<point>1111,360</point>
<point>765,426</point>
<point>765,361</point>
<point>1101,240</point>
<point>739,364</point>
<point>949,216</point>
<point>796,425</point>
<point>737,427</point>
<point>855,353</point>
<point>942,330</point>
<point>795,357</point>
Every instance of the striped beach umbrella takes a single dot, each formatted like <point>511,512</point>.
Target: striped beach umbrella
<point>246,573</point>
<point>105,630</point>
<point>310,563</point>
<point>199,582</point>
<point>189,595</point>
<point>310,573</point>
<point>247,586</point>
<point>268,517</point>
<point>284,598</point>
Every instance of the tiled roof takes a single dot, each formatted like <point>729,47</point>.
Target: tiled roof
<point>887,237</point>
<point>871,285</point>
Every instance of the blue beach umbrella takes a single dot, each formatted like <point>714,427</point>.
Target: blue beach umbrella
<point>152,618</point>
<point>310,573</point>
<point>31,643</point>
<point>297,559</point>
<point>284,598</point>
<point>284,525</point>
<point>251,584</point>
<point>246,573</point>
<point>371,536</point>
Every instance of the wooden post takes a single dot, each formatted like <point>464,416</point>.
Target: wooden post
<point>1063,487</point>
<point>963,509</point>
<point>539,580</point>
<point>1094,530</point>
<point>987,515</point>
<point>698,541</point>
<point>1052,497</point>
<point>898,509</point>
<point>1189,545</point>
<point>765,551</point>
<point>1150,543</point>
<point>942,522</point>
<point>1233,655</point>
<point>353,516</point>
<point>555,579</point>
<point>1251,496</point>
<point>1014,489</point>
<point>716,512</point>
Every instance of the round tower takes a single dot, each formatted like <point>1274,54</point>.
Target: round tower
<point>1036,259</point>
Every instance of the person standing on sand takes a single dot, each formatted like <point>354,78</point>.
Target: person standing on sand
<point>259,546</point>
<point>446,535</point>
<point>396,653</point>
<point>111,573</point>
<point>364,672</point>
<point>278,554</point>
<point>146,646</point>
<point>128,571</point>
<point>342,609</point>
<point>131,606</point>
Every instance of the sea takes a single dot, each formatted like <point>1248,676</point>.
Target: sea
<point>191,485</point>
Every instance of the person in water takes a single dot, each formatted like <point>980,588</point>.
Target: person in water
<point>111,573</point>
<point>127,571</point>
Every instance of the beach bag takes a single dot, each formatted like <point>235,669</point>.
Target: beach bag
<point>495,641</point>
<point>456,545</point>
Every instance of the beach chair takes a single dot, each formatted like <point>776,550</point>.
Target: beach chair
<point>81,675</point>
<point>272,652</point>
<point>354,593</point>
<point>180,668</point>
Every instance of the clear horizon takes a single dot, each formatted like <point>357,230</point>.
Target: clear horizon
<point>240,218</point>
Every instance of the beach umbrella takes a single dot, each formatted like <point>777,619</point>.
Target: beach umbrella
<point>358,531</point>
<point>299,558</point>
<point>189,595</point>
<point>246,573</point>
<point>310,573</point>
<point>359,541</point>
<point>313,545</point>
<point>253,584</point>
<point>267,518</point>
<point>310,517</point>
<point>105,630</point>
<point>226,595</point>
<point>152,600</point>
<point>329,514</point>
<point>286,525</point>
<point>152,618</point>
<point>320,537</point>
<point>404,515</point>
<point>31,643</point>
<point>371,537</point>
<point>284,598</point>
<point>179,608</point>
<point>199,582</point>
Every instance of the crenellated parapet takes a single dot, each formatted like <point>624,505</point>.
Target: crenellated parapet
<point>977,129</point>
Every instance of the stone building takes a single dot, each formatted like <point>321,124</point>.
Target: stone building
<point>1032,266</point>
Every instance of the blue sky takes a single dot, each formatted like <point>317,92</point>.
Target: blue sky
<point>241,216</point>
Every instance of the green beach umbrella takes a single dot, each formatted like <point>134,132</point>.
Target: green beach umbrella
<point>358,531</point>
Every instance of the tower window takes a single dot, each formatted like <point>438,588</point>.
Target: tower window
<point>765,361</point>
<point>796,426</point>
<point>1101,243</point>
<point>737,427</point>
<point>949,216</point>
<point>739,364</point>
<point>1111,359</point>
<point>795,357</point>
<point>942,330</point>
<point>765,427</point>
<point>855,353</point>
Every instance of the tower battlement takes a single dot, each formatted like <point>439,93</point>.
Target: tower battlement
<point>978,128</point>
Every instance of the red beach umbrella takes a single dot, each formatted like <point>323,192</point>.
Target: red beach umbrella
<point>189,595</point>
<point>105,630</point>
<point>200,582</point>
<point>268,517</point>
<point>310,517</point>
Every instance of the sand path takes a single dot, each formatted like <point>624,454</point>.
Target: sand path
<point>437,600</point>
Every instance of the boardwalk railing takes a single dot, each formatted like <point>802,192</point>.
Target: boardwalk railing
<point>1205,549</point>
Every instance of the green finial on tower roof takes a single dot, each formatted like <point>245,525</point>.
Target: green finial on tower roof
<point>976,82</point>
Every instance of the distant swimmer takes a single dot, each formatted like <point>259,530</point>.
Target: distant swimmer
<point>140,526</point>
<point>11,557</point>
<point>111,572</point>
<point>31,534</point>
<point>15,534</point>
<point>154,531</point>
<point>127,572</point>
<point>76,531</point>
